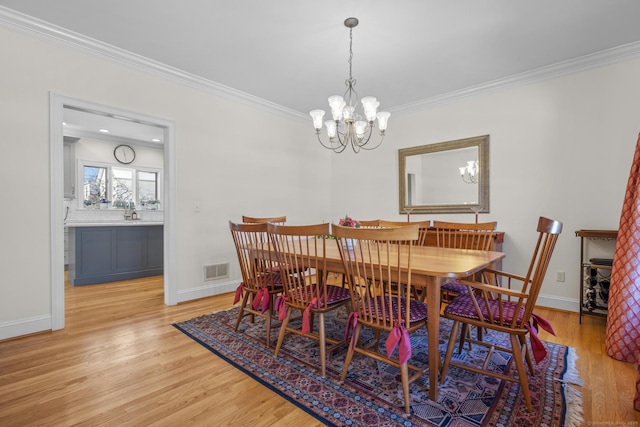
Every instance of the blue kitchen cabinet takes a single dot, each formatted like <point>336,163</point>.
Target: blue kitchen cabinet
<point>111,253</point>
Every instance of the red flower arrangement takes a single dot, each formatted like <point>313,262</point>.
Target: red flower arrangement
<point>349,222</point>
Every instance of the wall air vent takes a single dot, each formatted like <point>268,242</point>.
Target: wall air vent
<point>216,271</point>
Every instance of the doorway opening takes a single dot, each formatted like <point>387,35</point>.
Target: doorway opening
<point>90,114</point>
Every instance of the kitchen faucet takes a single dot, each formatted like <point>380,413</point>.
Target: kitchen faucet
<point>127,210</point>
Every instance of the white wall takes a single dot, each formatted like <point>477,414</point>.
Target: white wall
<point>560,148</point>
<point>231,158</point>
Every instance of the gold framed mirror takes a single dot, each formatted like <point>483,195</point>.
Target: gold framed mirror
<point>446,177</point>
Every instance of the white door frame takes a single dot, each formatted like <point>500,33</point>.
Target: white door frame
<point>57,104</point>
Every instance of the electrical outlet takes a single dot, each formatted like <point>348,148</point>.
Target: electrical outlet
<point>559,276</point>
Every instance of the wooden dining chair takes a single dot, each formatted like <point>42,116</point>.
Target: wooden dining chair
<point>461,235</point>
<point>503,309</point>
<point>423,227</point>
<point>379,259</point>
<point>302,250</point>
<point>372,223</point>
<point>258,220</point>
<point>477,236</point>
<point>261,278</point>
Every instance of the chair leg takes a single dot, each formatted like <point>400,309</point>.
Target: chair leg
<point>464,334</point>
<point>527,355</point>
<point>323,347</point>
<point>283,330</point>
<point>350,351</point>
<point>522,374</point>
<point>377,339</point>
<point>404,375</point>
<point>449,353</point>
<point>241,312</point>
<point>267,325</point>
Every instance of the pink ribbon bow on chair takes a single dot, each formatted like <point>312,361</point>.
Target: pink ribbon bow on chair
<point>238,293</point>
<point>306,324</point>
<point>352,322</point>
<point>281,307</point>
<point>537,347</point>
<point>262,297</point>
<point>399,336</point>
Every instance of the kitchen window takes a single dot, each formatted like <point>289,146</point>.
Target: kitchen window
<point>107,186</point>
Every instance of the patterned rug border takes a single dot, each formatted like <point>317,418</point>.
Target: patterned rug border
<point>250,373</point>
<point>572,398</point>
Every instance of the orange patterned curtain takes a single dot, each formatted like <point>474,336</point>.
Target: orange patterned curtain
<point>623,318</point>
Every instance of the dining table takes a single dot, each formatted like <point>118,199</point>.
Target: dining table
<point>430,268</point>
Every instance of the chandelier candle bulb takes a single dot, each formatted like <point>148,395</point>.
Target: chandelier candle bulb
<point>383,118</point>
<point>317,116</point>
<point>470,172</point>
<point>331,129</point>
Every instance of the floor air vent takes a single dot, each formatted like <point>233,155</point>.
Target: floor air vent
<point>216,271</point>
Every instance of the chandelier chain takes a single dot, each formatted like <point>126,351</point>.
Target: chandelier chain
<point>350,53</point>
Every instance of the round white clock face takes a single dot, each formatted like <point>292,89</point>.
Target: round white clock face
<point>124,154</point>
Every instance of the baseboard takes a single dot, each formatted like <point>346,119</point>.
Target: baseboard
<point>207,291</point>
<point>18,328</point>
<point>560,303</point>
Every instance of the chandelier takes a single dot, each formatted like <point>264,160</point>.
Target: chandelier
<point>470,172</point>
<point>348,127</point>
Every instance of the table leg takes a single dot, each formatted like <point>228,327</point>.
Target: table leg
<point>433,332</point>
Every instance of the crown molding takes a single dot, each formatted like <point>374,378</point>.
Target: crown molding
<point>598,59</point>
<point>35,27</point>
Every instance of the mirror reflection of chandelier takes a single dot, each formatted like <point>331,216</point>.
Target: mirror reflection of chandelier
<point>470,172</point>
<point>348,127</point>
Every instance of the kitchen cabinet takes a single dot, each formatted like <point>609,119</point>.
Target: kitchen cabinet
<point>111,253</point>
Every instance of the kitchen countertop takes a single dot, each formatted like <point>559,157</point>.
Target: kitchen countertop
<point>111,223</point>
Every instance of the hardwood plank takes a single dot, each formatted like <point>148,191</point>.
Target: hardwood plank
<point>120,362</point>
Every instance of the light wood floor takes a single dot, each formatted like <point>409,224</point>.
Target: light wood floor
<point>120,362</point>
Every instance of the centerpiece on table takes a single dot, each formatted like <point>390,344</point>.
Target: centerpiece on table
<point>347,221</point>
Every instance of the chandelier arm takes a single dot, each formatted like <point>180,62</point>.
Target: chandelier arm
<point>364,144</point>
<point>375,146</point>
<point>343,137</point>
<point>337,148</point>
<point>322,143</point>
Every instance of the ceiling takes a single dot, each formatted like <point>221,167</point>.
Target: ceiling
<point>115,128</point>
<point>294,53</point>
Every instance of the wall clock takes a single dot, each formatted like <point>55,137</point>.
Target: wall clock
<point>124,154</point>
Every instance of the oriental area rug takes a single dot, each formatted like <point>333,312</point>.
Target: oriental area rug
<point>372,395</point>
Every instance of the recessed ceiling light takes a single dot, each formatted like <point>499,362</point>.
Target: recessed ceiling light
<point>155,140</point>
<point>64,123</point>
<point>104,130</point>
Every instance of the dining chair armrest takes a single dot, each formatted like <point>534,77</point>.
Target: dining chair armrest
<point>504,274</point>
<point>495,304</point>
<point>493,289</point>
<point>494,277</point>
